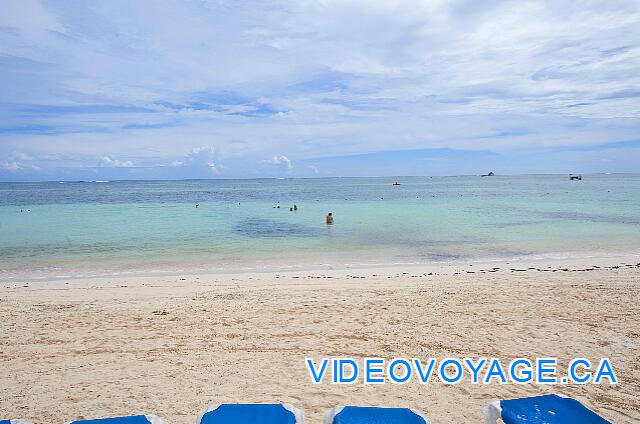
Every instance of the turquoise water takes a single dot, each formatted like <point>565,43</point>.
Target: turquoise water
<point>93,228</point>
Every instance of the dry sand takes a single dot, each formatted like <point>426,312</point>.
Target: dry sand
<point>173,345</point>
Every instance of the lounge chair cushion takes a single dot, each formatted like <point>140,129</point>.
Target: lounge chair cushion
<point>375,415</point>
<point>250,414</point>
<point>548,409</point>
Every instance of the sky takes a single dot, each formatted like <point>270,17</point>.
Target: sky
<point>180,89</point>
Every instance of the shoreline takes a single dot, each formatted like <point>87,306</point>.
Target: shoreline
<point>572,259</point>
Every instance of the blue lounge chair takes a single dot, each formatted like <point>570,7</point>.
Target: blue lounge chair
<point>255,413</point>
<point>15,422</point>
<point>373,415</point>
<point>132,419</point>
<point>548,409</point>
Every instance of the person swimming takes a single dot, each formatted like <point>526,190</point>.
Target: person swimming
<point>329,218</point>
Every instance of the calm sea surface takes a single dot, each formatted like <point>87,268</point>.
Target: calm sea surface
<point>91,228</point>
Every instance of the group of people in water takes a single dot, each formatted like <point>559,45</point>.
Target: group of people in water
<point>294,208</point>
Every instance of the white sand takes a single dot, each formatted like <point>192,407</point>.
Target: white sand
<point>173,345</point>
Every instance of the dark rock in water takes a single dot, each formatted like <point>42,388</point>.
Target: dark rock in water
<point>269,228</point>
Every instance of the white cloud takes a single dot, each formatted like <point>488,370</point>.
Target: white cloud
<point>10,166</point>
<point>199,157</point>
<point>115,163</point>
<point>23,157</point>
<point>280,161</point>
<point>17,167</point>
<point>16,163</point>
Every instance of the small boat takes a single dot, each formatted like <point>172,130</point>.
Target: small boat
<point>575,177</point>
<point>490,174</point>
<point>396,183</point>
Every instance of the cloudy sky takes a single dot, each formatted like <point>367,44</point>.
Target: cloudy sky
<point>231,88</point>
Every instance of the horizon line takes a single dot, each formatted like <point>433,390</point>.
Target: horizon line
<point>319,178</point>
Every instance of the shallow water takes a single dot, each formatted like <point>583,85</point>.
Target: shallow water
<point>88,228</point>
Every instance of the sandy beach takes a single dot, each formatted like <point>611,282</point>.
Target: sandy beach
<point>173,345</point>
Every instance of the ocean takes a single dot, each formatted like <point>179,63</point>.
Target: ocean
<point>76,229</point>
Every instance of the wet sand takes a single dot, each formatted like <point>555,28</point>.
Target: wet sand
<point>172,345</point>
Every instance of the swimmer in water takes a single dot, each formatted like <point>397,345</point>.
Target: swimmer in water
<point>329,218</point>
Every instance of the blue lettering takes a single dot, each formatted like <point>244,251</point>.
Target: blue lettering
<point>315,375</point>
<point>422,374</point>
<point>495,370</point>
<point>525,375</point>
<point>392,373</point>
<point>605,370</point>
<point>341,378</point>
<point>475,368</point>
<point>443,368</point>
<point>586,364</point>
<point>543,370</point>
<point>370,369</point>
